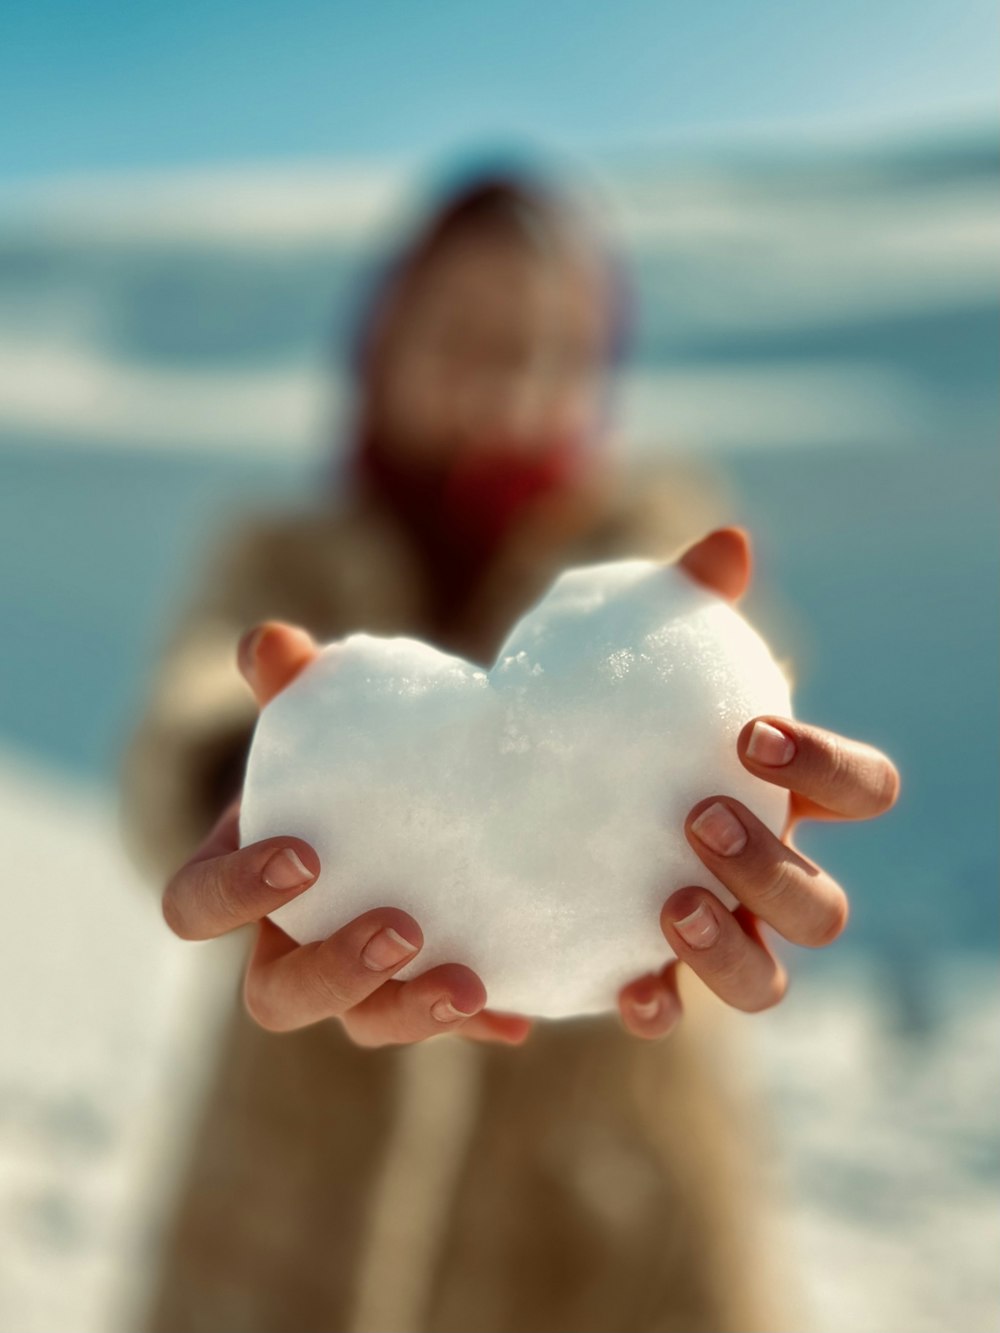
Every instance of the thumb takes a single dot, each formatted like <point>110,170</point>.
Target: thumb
<point>721,562</point>
<point>271,655</point>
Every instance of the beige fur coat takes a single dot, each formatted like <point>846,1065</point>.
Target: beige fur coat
<point>584,1182</point>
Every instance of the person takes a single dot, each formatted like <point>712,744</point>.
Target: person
<point>347,1173</point>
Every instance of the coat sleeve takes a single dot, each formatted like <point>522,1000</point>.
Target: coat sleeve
<point>186,756</point>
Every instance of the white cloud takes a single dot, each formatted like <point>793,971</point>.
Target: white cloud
<point>722,253</point>
<point>67,393</point>
<point>771,406</point>
<point>756,257</point>
<point>76,393</point>
<point>233,207</point>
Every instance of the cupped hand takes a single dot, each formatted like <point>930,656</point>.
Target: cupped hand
<point>827,777</point>
<point>349,975</point>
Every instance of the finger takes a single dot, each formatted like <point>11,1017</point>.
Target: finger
<point>441,1000</point>
<point>721,561</point>
<point>507,1029</point>
<point>731,961</point>
<point>651,1006</point>
<point>786,890</point>
<point>271,655</point>
<point>289,986</point>
<point>211,895</point>
<point>828,774</point>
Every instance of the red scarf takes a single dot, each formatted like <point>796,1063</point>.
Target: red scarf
<point>459,515</point>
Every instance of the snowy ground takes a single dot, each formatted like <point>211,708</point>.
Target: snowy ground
<point>93,1085</point>
<point>886,1133</point>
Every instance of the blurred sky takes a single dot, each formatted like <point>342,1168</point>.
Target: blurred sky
<point>108,85</point>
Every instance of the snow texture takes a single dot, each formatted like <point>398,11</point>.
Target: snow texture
<point>531,817</point>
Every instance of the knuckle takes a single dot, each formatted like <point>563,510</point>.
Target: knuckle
<point>858,776</point>
<point>220,892</point>
<point>839,763</point>
<point>775,886</point>
<point>230,892</point>
<point>413,1022</point>
<point>328,989</point>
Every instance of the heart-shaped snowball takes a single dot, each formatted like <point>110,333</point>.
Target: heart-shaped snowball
<point>530,817</point>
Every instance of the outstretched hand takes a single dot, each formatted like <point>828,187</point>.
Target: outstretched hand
<point>828,777</point>
<point>350,975</point>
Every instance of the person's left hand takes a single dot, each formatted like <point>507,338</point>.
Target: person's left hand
<point>828,777</point>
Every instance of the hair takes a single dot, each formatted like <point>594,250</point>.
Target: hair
<point>516,208</point>
<point>517,204</point>
<point>527,215</point>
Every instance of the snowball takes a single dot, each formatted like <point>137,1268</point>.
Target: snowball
<point>530,818</point>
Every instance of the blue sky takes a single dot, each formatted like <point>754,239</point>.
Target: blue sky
<point>99,85</point>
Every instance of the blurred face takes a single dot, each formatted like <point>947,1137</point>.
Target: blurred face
<point>494,345</point>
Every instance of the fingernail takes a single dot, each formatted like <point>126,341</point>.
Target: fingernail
<point>286,871</point>
<point>769,746</point>
<point>720,830</point>
<point>247,647</point>
<point>647,1010</point>
<point>387,949</point>
<point>699,929</point>
<point>443,1011</point>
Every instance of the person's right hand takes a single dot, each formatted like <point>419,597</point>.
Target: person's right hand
<point>347,976</point>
